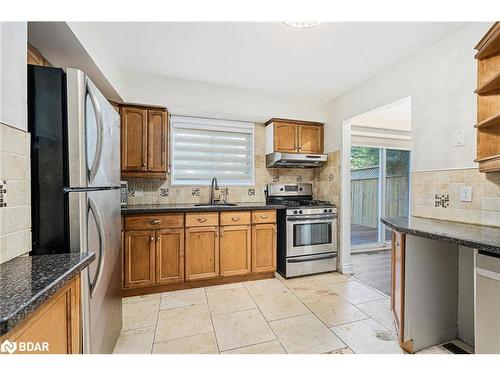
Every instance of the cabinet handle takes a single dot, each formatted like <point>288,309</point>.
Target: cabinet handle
<point>202,219</point>
<point>264,216</point>
<point>151,238</point>
<point>396,243</point>
<point>235,218</point>
<point>216,233</point>
<point>155,222</point>
<point>157,238</point>
<point>143,163</point>
<point>222,233</point>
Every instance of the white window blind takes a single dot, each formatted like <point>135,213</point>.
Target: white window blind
<point>205,148</point>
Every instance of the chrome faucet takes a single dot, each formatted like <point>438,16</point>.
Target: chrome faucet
<point>214,186</point>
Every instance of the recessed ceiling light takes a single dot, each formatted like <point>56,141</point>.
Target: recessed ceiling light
<point>301,24</point>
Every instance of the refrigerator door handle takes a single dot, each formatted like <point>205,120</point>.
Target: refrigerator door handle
<point>102,252</point>
<point>99,121</point>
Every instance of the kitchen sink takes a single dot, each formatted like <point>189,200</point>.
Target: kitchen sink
<point>214,204</point>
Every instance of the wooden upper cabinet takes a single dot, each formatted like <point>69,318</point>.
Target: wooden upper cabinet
<point>264,247</point>
<point>139,258</point>
<point>170,256</point>
<point>144,134</point>
<point>235,250</point>
<point>310,139</point>
<point>35,58</point>
<point>157,141</point>
<point>293,136</point>
<point>202,253</point>
<point>134,139</point>
<point>285,137</point>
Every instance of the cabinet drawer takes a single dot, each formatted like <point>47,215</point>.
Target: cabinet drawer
<point>165,221</point>
<point>202,219</point>
<point>264,216</point>
<point>235,218</point>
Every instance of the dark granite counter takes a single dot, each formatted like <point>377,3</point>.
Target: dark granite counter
<point>27,282</point>
<point>484,238</point>
<point>189,207</point>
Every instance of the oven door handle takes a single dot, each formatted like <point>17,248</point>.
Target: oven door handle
<point>310,258</point>
<point>312,218</point>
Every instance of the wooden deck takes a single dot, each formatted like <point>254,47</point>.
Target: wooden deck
<point>374,269</point>
<point>361,235</point>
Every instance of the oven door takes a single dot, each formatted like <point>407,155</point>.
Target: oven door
<point>311,234</point>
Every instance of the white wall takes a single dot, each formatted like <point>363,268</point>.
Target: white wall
<point>440,80</point>
<point>183,97</point>
<point>13,74</point>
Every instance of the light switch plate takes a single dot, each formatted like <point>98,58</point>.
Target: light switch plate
<point>459,137</point>
<point>466,194</point>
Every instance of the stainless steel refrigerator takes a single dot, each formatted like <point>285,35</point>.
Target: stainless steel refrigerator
<point>75,167</point>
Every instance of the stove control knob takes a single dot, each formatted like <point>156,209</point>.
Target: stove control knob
<point>281,189</point>
<point>300,211</point>
<point>330,210</point>
<point>325,210</point>
<point>295,212</point>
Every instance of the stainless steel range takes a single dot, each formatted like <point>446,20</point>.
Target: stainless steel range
<point>307,230</point>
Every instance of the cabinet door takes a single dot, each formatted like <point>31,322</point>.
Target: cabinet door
<point>263,247</point>
<point>139,267</point>
<point>157,141</point>
<point>398,281</point>
<point>310,139</point>
<point>170,256</point>
<point>134,142</point>
<point>202,253</point>
<point>235,250</point>
<point>285,137</point>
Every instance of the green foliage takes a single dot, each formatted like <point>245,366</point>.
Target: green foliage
<point>364,157</point>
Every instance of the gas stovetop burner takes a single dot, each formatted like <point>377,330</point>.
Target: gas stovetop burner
<point>301,203</point>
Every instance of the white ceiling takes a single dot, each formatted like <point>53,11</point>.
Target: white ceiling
<point>318,63</point>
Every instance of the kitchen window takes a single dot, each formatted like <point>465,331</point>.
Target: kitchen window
<point>205,148</point>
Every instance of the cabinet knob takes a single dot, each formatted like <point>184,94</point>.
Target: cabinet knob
<point>202,219</point>
<point>264,216</point>
<point>235,218</point>
<point>155,222</point>
<point>157,238</point>
<point>151,238</point>
<point>396,243</point>
<point>216,233</point>
<point>143,163</point>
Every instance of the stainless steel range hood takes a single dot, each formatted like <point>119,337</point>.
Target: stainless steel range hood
<point>281,160</point>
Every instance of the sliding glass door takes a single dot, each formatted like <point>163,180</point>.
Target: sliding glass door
<point>379,187</point>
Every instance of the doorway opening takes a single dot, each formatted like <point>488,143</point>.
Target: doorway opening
<point>376,162</point>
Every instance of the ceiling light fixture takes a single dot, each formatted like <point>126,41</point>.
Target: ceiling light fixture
<point>301,24</point>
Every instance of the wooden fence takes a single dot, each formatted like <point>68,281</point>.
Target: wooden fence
<point>364,200</point>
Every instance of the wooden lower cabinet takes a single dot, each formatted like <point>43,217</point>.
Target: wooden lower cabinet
<point>170,256</point>
<point>56,322</point>
<point>139,258</point>
<point>202,253</point>
<point>263,247</point>
<point>235,250</point>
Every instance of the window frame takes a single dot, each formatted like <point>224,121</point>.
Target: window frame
<point>201,123</point>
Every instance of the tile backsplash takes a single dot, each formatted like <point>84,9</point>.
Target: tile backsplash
<point>15,205</point>
<point>149,191</point>
<point>436,194</point>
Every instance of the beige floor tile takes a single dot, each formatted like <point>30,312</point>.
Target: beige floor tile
<point>306,287</point>
<point>225,286</point>
<point>342,351</point>
<point>332,278</point>
<point>140,313</point>
<point>144,298</point>
<point>271,347</point>
<point>268,286</point>
<point>228,300</point>
<point>242,328</point>
<point>183,298</point>
<point>136,341</point>
<point>280,305</point>
<point>334,310</point>
<point>433,350</point>
<point>198,344</point>
<point>305,334</point>
<point>368,337</point>
<point>380,311</point>
<point>355,292</point>
<point>182,322</point>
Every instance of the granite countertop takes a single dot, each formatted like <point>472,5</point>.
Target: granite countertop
<point>27,282</point>
<point>190,207</point>
<point>484,238</point>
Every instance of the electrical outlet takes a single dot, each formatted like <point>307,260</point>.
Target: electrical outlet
<point>459,138</point>
<point>466,194</point>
